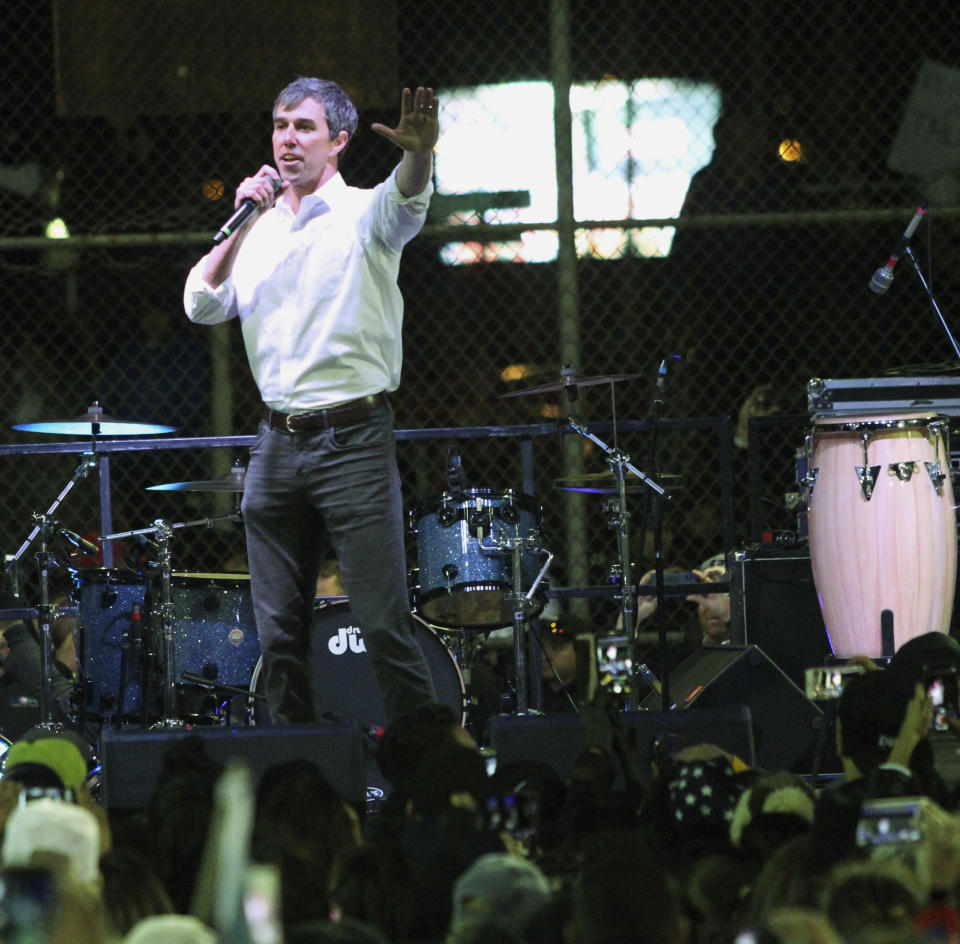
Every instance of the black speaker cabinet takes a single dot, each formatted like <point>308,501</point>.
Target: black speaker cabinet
<point>774,605</point>
<point>558,740</point>
<point>786,724</point>
<point>133,758</point>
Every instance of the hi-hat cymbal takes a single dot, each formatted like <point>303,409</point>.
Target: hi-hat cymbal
<point>228,483</point>
<point>603,483</point>
<point>570,380</point>
<point>94,423</point>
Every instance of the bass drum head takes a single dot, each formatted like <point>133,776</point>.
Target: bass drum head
<point>345,685</point>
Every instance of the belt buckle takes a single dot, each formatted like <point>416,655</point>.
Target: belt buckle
<point>286,421</point>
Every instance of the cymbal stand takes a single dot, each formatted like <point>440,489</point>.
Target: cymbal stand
<point>45,561</point>
<point>620,464</point>
<point>45,529</point>
<point>164,535</point>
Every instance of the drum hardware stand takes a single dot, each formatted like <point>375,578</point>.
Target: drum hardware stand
<point>619,462</point>
<point>217,687</point>
<point>521,606</point>
<point>45,528</point>
<point>164,535</point>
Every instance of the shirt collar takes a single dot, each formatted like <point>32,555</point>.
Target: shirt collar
<point>327,196</point>
<point>330,194</point>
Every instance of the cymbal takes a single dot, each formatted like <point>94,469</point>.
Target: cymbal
<point>228,483</point>
<point>94,423</point>
<point>603,483</point>
<point>570,381</point>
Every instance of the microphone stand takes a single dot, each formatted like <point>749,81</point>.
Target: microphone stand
<point>655,519</point>
<point>908,252</point>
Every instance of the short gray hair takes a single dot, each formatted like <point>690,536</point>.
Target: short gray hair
<point>340,112</point>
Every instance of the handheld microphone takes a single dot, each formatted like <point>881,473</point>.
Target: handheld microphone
<point>883,278</point>
<point>240,216</point>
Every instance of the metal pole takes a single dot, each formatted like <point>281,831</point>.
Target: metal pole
<point>568,291</point>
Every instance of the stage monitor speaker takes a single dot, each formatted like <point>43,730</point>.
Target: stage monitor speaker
<point>786,724</point>
<point>132,759</point>
<point>558,740</point>
<point>774,605</point>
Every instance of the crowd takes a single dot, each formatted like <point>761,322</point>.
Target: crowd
<point>700,847</point>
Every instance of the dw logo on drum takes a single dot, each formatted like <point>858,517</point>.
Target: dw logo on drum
<point>347,637</point>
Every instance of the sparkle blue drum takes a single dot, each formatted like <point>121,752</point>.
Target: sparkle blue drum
<point>464,558</point>
<point>214,632</point>
<point>113,618</point>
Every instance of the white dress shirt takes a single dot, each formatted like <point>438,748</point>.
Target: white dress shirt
<point>316,294</point>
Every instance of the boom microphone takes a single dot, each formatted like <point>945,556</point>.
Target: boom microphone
<point>883,278</point>
<point>247,208</point>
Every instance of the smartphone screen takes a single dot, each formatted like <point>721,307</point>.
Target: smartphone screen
<point>27,904</point>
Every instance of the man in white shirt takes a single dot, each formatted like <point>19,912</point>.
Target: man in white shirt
<point>313,280</point>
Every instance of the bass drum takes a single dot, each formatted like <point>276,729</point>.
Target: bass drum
<point>345,683</point>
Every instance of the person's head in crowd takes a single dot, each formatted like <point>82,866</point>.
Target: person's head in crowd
<point>714,893</point>
<point>933,649</point>
<point>303,826</point>
<point>178,817</point>
<point>497,889</point>
<point>539,780</point>
<point>407,739</point>
<point>863,731</point>
<point>862,897</point>
<point>713,609</point>
<point>171,929</point>
<point>54,833</point>
<point>791,876</point>
<point>624,899</point>
<point>373,884</point>
<point>56,760</point>
<point>808,925</point>
<point>450,775</point>
<point>777,807</point>
<point>689,807</point>
<point>703,795</point>
<point>126,901</point>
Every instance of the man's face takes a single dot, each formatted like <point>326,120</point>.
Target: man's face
<point>302,149</point>
<point>713,612</point>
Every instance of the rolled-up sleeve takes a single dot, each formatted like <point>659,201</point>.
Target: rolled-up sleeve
<point>206,305</point>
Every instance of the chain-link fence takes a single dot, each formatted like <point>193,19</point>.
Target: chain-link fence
<point>720,189</point>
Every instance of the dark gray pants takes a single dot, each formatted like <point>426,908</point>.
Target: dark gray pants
<point>305,494</point>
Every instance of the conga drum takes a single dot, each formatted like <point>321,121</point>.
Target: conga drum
<point>882,527</point>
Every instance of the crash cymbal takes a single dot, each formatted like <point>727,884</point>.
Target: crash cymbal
<point>603,483</point>
<point>228,483</point>
<point>94,423</point>
<point>570,380</point>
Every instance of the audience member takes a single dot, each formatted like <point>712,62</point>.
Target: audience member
<point>709,849</point>
<point>303,827</point>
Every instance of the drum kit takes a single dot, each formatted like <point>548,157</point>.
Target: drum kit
<point>167,648</point>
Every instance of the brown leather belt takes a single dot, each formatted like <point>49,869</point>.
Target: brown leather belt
<point>350,412</point>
